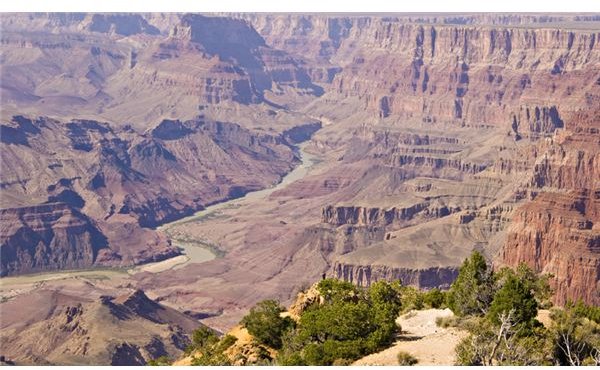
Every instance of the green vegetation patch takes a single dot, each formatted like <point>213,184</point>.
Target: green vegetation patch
<point>499,310</point>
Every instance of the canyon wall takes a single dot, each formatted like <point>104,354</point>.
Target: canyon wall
<point>92,199</point>
<point>438,135</point>
<point>536,83</point>
<point>558,231</point>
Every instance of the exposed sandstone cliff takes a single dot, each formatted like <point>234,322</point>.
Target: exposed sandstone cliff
<point>425,278</point>
<point>436,130</point>
<point>558,231</point>
<point>50,236</point>
<point>477,72</point>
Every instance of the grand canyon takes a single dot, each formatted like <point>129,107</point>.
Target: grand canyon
<point>164,172</point>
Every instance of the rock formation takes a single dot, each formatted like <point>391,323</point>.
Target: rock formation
<point>127,330</point>
<point>94,199</point>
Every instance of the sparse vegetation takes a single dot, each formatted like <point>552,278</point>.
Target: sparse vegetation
<point>472,291</point>
<point>576,338</point>
<point>446,321</point>
<point>160,361</point>
<point>412,298</point>
<point>434,298</point>
<point>504,329</point>
<point>406,359</point>
<point>498,309</point>
<point>207,349</point>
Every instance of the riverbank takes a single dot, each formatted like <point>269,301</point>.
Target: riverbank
<point>193,251</point>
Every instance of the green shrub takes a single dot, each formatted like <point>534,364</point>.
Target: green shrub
<point>406,359</point>
<point>351,323</point>
<point>434,298</point>
<point>412,298</point>
<point>590,312</point>
<point>342,362</point>
<point>225,342</point>
<point>203,337</point>
<point>160,361</point>
<point>515,295</point>
<point>576,339</point>
<point>473,290</point>
<point>264,322</point>
<point>338,290</point>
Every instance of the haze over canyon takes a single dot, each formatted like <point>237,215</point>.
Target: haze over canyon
<point>390,146</point>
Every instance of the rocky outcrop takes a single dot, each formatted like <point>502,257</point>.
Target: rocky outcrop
<point>92,203</point>
<point>302,133</point>
<point>558,231</point>
<point>119,24</point>
<point>536,121</point>
<point>51,236</point>
<point>554,236</point>
<point>127,330</point>
<point>440,277</point>
<point>341,215</point>
<point>235,41</point>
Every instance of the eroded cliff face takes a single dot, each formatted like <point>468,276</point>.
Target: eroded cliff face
<point>557,232</point>
<point>470,70</point>
<point>426,278</point>
<point>535,87</point>
<point>50,236</point>
<point>84,65</point>
<point>130,329</point>
<point>93,201</point>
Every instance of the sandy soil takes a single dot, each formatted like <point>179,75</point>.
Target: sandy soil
<point>421,338</point>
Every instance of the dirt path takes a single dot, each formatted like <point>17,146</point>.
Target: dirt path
<point>422,338</point>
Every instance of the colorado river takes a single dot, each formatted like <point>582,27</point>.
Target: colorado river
<point>193,251</point>
<point>201,251</point>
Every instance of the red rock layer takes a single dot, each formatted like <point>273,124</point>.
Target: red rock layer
<point>559,231</point>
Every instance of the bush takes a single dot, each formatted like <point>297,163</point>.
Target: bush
<point>406,359</point>
<point>225,342</point>
<point>210,348</point>
<point>434,298</point>
<point>590,312</point>
<point>576,339</point>
<point>412,298</point>
<point>490,344</point>
<point>203,337</point>
<point>161,361</point>
<point>264,322</point>
<point>473,290</point>
<point>499,310</point>
<point>516,296</point>
<point>351,323</point>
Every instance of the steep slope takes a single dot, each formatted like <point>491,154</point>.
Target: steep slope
<point>97,190</point>
<point>195,65</point>
<point>557,232</point>
<point>127,330</point>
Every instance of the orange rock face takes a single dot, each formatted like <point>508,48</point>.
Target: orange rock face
<point>559,231</point>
